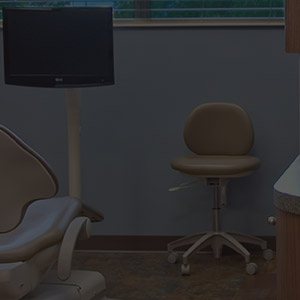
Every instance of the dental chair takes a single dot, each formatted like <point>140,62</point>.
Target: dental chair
<point>39,230</point>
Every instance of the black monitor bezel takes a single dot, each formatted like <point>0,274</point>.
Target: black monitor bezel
<point>52,80</point>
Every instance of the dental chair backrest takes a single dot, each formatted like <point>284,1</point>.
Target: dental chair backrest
<point>24,178</point>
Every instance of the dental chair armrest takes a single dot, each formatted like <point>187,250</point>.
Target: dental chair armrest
<point>91,213</point>
<point>79,228</point>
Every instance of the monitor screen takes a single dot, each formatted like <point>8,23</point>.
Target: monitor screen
<point>58,47</point>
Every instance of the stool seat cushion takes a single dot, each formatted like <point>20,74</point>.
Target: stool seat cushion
<point>43,226</point>
<point>216,166</point>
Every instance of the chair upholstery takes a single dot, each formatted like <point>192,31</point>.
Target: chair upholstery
<point>216,166</point>
<point>219,129</point>
<point>220,135</point>
<point>18,189</point>
<point>43,226</point>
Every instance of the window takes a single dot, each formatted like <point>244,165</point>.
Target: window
<point>174,10</point>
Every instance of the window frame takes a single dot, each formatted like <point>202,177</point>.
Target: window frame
<point>142,23</point>
<point>142,20</point>
<point>190,24</point>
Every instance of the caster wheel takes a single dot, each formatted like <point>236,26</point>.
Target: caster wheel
<point>268,254</point>
<point>272,220</point>
<point>185,269</point>
<point>251,268</point>
<point>173,257</point>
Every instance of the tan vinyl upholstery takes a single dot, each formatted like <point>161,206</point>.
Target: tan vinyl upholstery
<point>219,129</point>
<point>216,165</point>
<point>24,177</point>
<point>220,135</point>
<point>43,226</point>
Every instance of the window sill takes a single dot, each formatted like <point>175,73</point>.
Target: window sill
<point>197,23</point>
<point>193,23</point>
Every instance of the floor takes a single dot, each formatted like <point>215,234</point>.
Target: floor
<point>260,287</point>
<point>148,276</point>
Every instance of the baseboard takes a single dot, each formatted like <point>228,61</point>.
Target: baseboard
<point>142,243</point>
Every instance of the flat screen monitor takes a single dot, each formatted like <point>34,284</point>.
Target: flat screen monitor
<point>58,47</point>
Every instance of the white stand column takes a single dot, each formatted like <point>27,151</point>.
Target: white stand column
<point>73,97</point>
<point>73,111</point>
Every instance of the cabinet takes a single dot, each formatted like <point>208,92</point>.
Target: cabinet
<point>287,202</point>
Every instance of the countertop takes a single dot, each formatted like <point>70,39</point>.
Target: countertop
<point>287,189</point>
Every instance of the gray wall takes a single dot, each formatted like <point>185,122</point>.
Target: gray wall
<point>132,130</point>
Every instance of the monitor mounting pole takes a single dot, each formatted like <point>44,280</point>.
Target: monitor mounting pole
<point>73,96</point>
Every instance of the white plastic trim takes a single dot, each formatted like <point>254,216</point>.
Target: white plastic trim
<point>79,228</point>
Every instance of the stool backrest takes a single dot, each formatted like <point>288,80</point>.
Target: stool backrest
<point>24,178</point>
<point>219,129</point>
